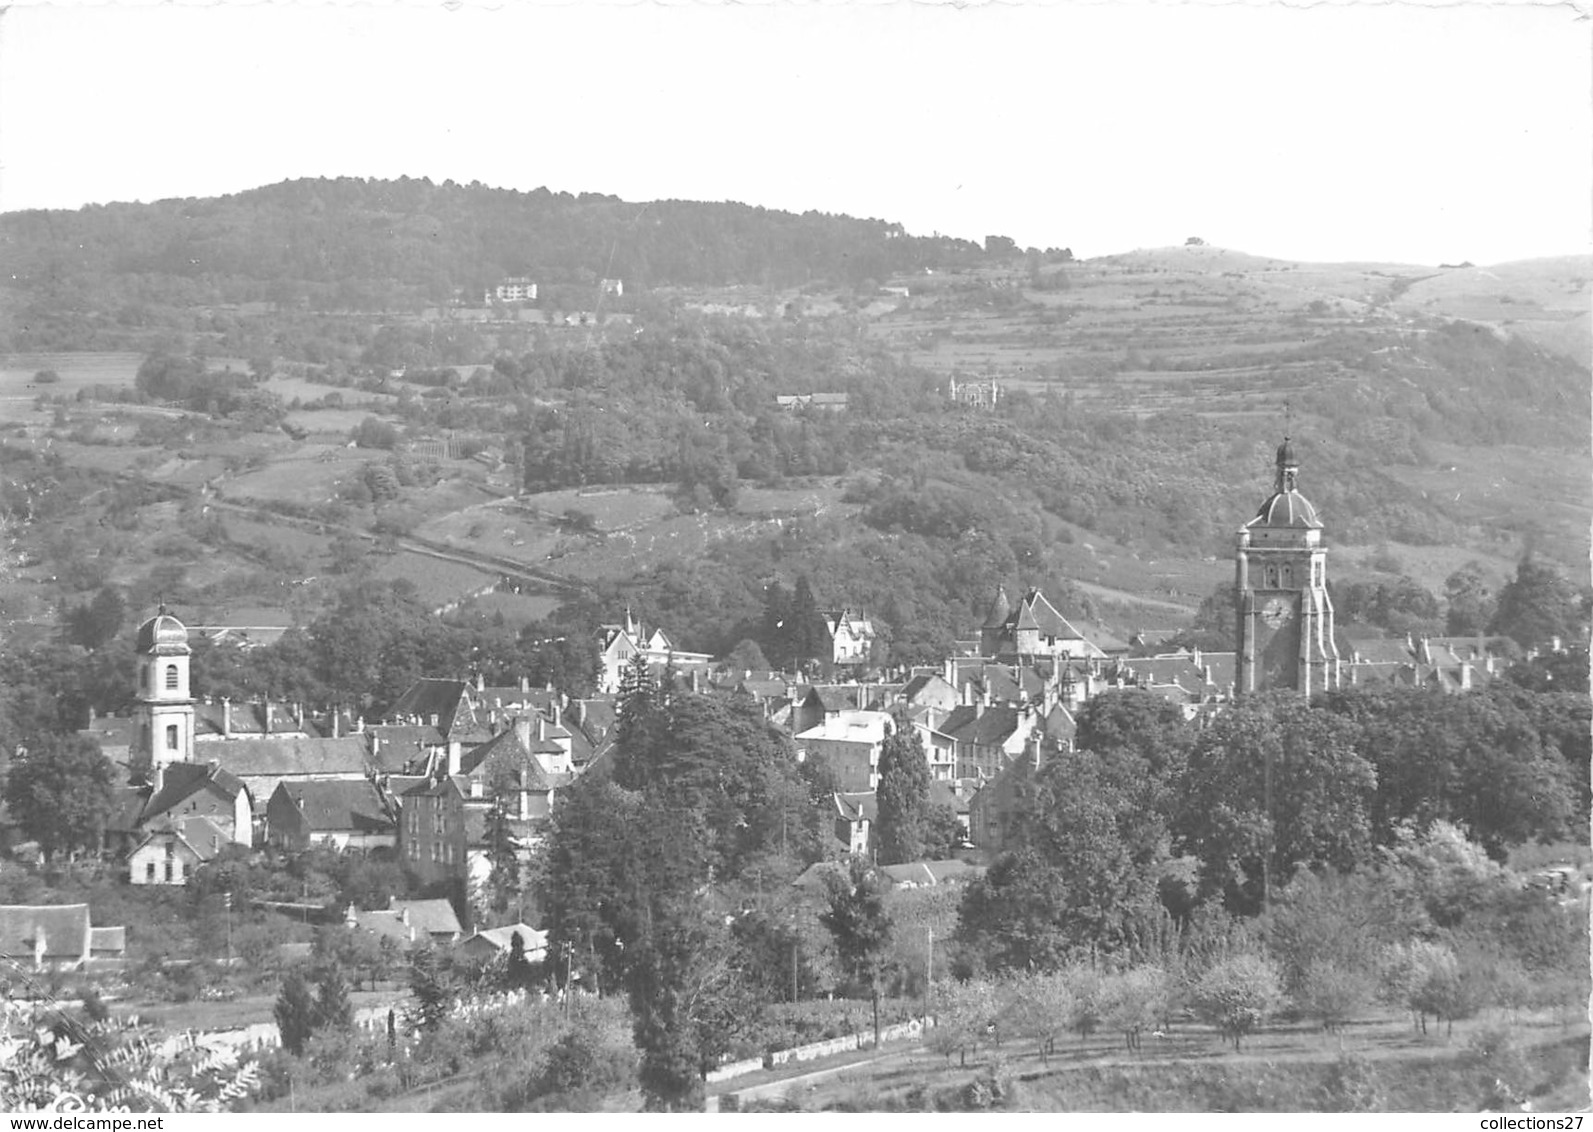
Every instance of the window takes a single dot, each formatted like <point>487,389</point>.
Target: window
<point>171,677</point>
<point>414,850</point>
<point>171,736</point>
<point>168,869</point>
<point>149,872</point>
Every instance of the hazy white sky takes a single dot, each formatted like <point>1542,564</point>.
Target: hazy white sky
<point>1399,132</point>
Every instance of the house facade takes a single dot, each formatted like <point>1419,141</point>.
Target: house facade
<point>851,742</point>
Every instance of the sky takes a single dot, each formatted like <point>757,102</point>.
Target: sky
<point>1396,132</point>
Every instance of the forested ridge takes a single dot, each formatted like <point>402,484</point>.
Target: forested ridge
<point>356,244</point>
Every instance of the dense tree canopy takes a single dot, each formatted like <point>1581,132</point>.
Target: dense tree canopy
<point>60,790</point>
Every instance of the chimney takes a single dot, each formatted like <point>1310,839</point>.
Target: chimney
<point>481,681</point>
<point>522,730</point>
<point>1206,674</point>
<point>950,674</point>
<point>1426,651</point>
<point>298,714</point>
<point>226,717</point>
<point>266,712</point>
<point>542,729</point>
<point>376,746</point>
<point>1487,664</point>
<point>525,684</point>
<point>1197,659</point>
<point>92,715</point>
<point>985,696</point>
<point>558,714</point>
<point>337,722</point>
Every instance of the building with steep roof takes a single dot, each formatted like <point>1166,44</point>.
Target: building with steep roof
<point>856,814</point>
<point>201,790</point>
<point>262,764</point>
<point>344,815</point>
<point>446,705</point>
<point>1285,616</point>
<point>489,943</point>
<point>412,923</point>
<point>1031,629</point>
<point>619,643</point>
<point>851,636</point>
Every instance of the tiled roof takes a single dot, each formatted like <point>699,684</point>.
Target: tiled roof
<point>286,757</point>
<point>407,736</point>
<point>338,806</point>
<point>65,928</point>
<point>987,728</point>
<point>108,939</point>
<point>246,718</point>
<point>534,942</point>
<point>857,806</point>
<point>505,747</point>
<point>433,916</point>
<point>448,700</point>
<point>183,780</point>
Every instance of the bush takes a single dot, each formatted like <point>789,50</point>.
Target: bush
<point>1351,1086</point>
<point>995,1088</point>
<point>46,377</point>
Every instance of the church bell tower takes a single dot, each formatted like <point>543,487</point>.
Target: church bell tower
<point>163,711</point>
<point>1280,590</point>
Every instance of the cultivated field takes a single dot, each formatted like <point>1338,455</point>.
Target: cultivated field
<point>307,475</point>
<point>437,582</point>
<point>77,371</point>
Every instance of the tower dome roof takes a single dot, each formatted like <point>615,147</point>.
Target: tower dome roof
<point>1286,509</point>
<point>1286,453</point>
<point>162,633</point>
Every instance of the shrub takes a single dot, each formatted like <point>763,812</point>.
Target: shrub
<point>1351,1086</point>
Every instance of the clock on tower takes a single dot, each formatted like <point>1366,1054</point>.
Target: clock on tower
<point>1280,589</point>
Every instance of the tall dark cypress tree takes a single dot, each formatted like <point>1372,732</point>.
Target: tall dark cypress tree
<point>903,797</point>
<point>807,636</point>
<point>776,637</point>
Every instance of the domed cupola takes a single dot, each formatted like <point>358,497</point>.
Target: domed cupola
<point>163,635</point>
<point>1286,507</point>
